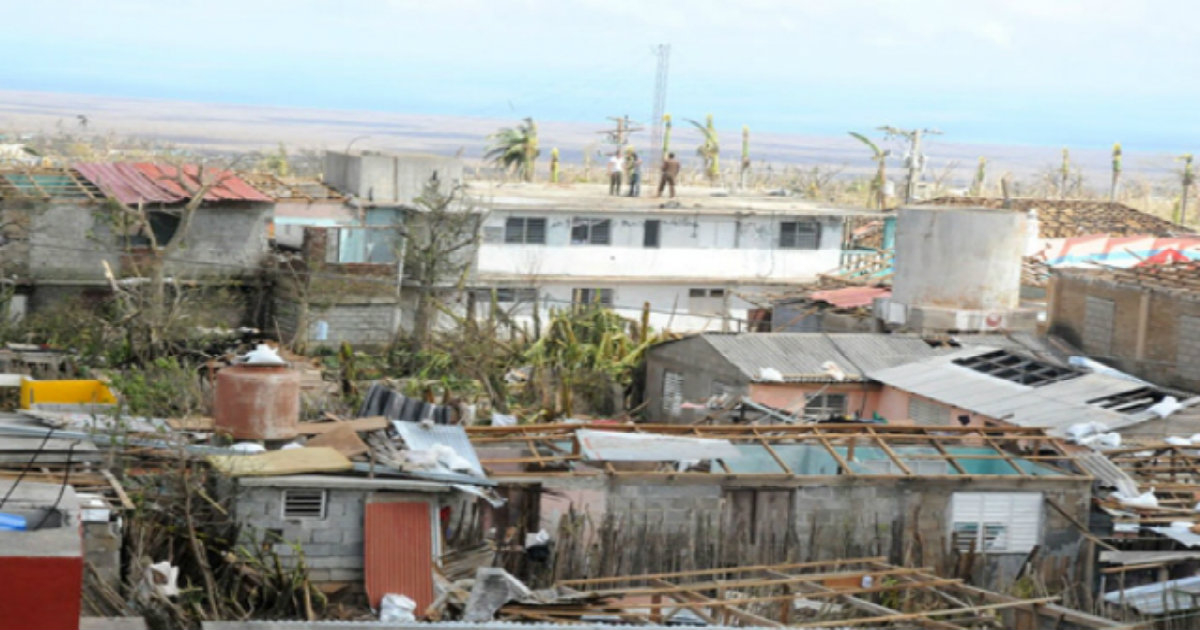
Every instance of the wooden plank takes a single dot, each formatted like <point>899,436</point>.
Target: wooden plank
<point>342,439</point>
<point>192,423</point>
<point>118,489</point>
<point>588,582</point>
<point>890,453</point>
<point>1080,526</point>
<point>946,455</point>
<point>371,423</point>
<point>292,461</point>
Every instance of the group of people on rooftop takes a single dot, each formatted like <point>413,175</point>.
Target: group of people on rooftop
<point>631,166</point>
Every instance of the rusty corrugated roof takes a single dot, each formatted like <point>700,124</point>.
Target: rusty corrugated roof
<point>398,551</point>
<point>147,182</point>
<point>851,297</point>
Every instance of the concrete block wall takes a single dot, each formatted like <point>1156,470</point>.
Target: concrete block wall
<point>332,546</point>
<point>701,367</point>
<point>1154,333</point>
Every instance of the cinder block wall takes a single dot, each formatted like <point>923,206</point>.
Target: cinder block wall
<point>1170,355</point>
<point>332,546</point>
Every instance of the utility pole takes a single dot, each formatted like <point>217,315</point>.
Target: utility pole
<point>915,160</point>
<point>620,135</point>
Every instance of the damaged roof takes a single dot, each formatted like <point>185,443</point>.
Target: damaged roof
<point>146,182</point>
<point>1180,277</point>
<point>1054,404</point>
<point>800,357</point>
<point>1061,218</point>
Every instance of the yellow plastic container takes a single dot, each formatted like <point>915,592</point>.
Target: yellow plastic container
<point>81,392</point>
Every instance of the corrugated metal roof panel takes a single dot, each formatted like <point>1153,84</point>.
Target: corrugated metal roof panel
<point>1158,598</point>
<point>1054,407</point>
<point>799,356</point>
<point>145,182</point>
<point>420,437</point>
<point>398,551</point>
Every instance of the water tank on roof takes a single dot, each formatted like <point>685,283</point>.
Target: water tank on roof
<point>257,402</point>
<point>959,258</point>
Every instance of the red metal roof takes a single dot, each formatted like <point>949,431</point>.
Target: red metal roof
<point>146,182</point>
<point>850,297</point>
<point>398,551</point>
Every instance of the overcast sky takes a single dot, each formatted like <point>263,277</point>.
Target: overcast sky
<point>1049,72</point>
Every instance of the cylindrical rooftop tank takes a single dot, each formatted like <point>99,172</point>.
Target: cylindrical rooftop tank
<point>959,258</point>
<point>257,402</point>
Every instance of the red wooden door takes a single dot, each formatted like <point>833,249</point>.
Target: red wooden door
<point>398,552</point>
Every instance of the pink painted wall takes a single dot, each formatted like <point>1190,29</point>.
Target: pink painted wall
<point>866,399</point>
<point>860,397</point>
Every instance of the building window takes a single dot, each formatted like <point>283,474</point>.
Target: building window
<point>507,295</point>
<point>799,235</point>
<point>304,503</point>
<point>672,392</point>
<point>525,231</point>
<point>928,412</point>
<point>996,522</point>
<point>603,297</point>
<point>591,231</point>
<point>825,405</point>
<point>650,235</point>
<point>706,301</point>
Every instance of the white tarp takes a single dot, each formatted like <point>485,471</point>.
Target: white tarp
<point>615,446</point>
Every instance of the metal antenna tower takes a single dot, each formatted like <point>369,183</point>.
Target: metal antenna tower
<point>663,51</point>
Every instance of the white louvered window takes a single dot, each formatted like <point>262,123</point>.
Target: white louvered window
<point>304,503</point>
<point>996,522</point>
<point>672,392</point>
<point>927,412</point>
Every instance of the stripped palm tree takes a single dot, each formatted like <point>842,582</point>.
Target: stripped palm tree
<point>1116,172</point>
<point>1188,177</point>
<point>880,157</point>
<point>710,149</point>
<point>515,149</point>
<point>980,178</point>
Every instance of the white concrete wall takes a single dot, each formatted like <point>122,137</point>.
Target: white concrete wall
<point>689,246</point>
<point>670,306</point>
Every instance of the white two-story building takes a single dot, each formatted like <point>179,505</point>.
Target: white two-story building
<point>697,261</point>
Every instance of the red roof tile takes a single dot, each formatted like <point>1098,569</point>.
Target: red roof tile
<point>145,182</point>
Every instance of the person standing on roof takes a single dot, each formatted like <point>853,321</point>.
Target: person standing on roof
<point>614,173</point>
<point>670,171</point>
<point>635,173</point>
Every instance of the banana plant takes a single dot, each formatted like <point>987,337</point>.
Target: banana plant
<point>515,148</point>
<point>666,145</point>
<point>709,149</point>
<point>880,157</point>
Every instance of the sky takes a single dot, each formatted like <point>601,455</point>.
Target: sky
<point>1034,72</point>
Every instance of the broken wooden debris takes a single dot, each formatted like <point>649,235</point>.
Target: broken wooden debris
<point>291,461</point>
